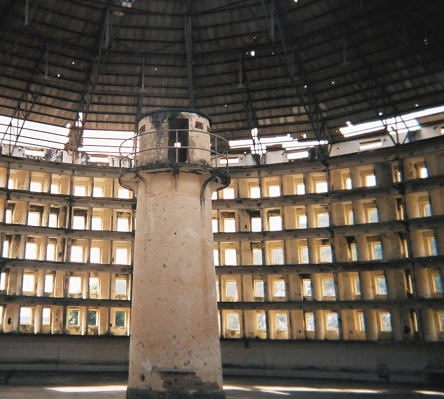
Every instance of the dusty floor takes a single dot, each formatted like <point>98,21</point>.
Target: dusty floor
<point>103,386</point>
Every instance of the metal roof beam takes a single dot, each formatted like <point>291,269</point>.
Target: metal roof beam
<point>187,29</point>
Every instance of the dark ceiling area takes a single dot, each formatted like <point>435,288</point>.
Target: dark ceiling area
<point>285,67</point>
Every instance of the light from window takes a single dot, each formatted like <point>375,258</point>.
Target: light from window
<point>279,288</point>
<point>78,222</point>
<point>325,254</point>
<point>255,192</point>
<point>300,189</point>
<point>36,186</point>
<point>261,322</point>
<point>214,195</point>
<point>228,193</point>
<point>2,281</point>
<point>230,257</point>
<point>370,180</point>
<point>321,187</point>
<point>328,287</point>
<point>92,318</point>
<point>1,315</point>
<point>28,283</point>
<point>233,322</point>
<point>50,252</point>
<point>216,257</point>
<point>381,286</point>
<point>97,192</point>
<point>229,225</point>
<point>123,193</point>
<point>309,321</point>
<point>353,252</point>
<point>358,286</point>
<point>120,286</point>
<point>274,191</point>
<point>377,250</point>
<point>437,283</point>
<point>347,183</point>
<point>8,216</point>
<point>5,251</point>
<point>231,288</point>
<point>386,322</point>
<point>46,316</point>
<point>306,287</point>
<point>215,225</point>
<point>441,321</point>
<point>423,172</point>
<point>323,220</point>
<point>123,224</point>
<point>256,224</point>
<point>31,250</point>
<point>302,221</point>
<point>257,256</point>
<point>55,188</point>
<point>80,191</point>
<point>121,256</point>
<point>277,255</point>
<point>303,255</point>
<point>53,220</point>
<point>281,322</point>
<point>361,321</point>
<point>259,289</point>
<point>76,253</point>
<point>275,223</point>
<point>332,322</point>
<point>75,285</point>
<point>25,316</point>
<point>95,255</point>
<point>73,317</point>
<point>431,246</point>
<point>34,218</point>
<point>96,223</point>
<point>426,209</point>
<point>93,285</point>
<point>49,283</point>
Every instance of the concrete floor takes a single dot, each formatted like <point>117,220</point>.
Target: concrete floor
<point>22,385</point>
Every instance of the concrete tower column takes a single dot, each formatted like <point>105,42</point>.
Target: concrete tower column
<point>174,338</point>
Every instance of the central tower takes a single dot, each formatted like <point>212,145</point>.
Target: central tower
<point>174,344</point>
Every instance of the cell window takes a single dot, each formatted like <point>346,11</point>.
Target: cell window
<point>274,191</point>
<point>431,247</point>
<point>386,321</point>
<point>229,225</point>
<point>231,289</point>
<point>79,222</point>
<point>46,316</point>
<point>121,256</point>
<point>36,186</point>
<point>373,215</point>
<point>28,283</point>
<point>5,250</point>
<point>51,252</point>
<point>31,250</point>
<point>306,287</point>
<point>55,188</point>
<point>279,288</point>
<point>25,316</point>
<point>49,283</point>
<point>94,285</point>
<point>325,254</point>
<point>2,281</point>
<point>34,218</point>
<point>323,219</point>
<point>381,286</point>
<point>98,192</point>
<point>332,322</point>
<point>230,257</point>
<point>426,209</point>
<point>277,255</point>
<point>370,180</point>
<point>73,317</point>
<point>1,315</point>
<point>441,321</point>
<point>376,250</point>
<point>96,223</point>
<point>300,189</point>
<point>214,195</point>
<point>361,321</point>
<point>357,286</point>
<point>216,257</point>
<point>303,255</point>
<point>76,253</point>
<point>321,187</point>
<point>423,172</point>
<point>309,321</point>
<point>121,286</point>
<point>75,285</point>
<point>95,255</point>
<point>215,225</point>
<point>233,323</point>
<point>281,322</point>
<point>275,223</point>
<point>437,283</point>
<point>53,220</point>
<point>92,318</point>
<point>328,287</point>
<point>8,216</point>
<point>257,256</point>
<point>261,322</point>
<point>228,193</point>
<point>80,191</point>
<point>123,193</point>
<point>255,192</point>
<point>347,182</point>
<point>256,224</point>
<point>302,221</point>
<point>123,224</point>
<point>259,289</point>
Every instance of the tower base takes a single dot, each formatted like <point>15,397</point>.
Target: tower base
<point>137,393</point>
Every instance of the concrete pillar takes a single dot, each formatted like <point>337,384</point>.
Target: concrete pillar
<point>174,345</point>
